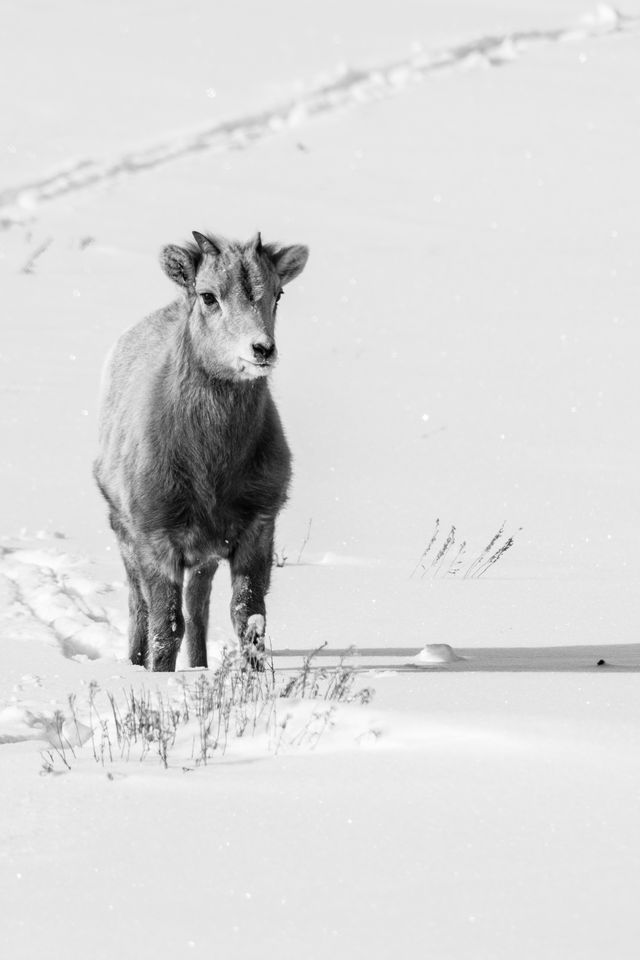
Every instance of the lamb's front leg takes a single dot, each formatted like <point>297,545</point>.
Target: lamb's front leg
<point>166,622</point>
<point>196,600</point>
<point>250,577</point>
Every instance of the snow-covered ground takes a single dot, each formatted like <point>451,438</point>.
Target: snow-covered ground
<point>461,347</point>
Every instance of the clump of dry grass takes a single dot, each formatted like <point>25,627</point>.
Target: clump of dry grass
<point>446,561</point>
<point>200,717</point>
<point>280,557</point>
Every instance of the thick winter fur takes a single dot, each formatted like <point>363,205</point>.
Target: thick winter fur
<point>193,461</point>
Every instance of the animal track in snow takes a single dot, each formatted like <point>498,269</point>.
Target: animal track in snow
<point>351,87</point>
<point>46,595</point>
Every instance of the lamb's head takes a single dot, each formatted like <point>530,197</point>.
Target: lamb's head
<point>232,293</point>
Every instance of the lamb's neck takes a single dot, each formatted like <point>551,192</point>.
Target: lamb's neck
<point>233,408</point>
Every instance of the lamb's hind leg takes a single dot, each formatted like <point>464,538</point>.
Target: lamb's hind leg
<point>196,601</point>
<point>138,610</point>
<point>250,576</point>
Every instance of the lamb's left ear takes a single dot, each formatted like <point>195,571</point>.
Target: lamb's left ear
<point>178,265</point>
<point>288,261</point>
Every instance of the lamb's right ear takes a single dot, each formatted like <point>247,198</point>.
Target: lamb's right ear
<point>288,261</point>
<point>178,265</point>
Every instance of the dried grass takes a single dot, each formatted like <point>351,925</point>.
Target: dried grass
<point>202,716</point>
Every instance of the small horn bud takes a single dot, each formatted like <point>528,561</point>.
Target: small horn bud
<point>205,244</point>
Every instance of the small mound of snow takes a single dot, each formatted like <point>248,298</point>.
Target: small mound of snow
<point>435,653</point>
<point>603,18</point>
<point>344,560</point>
<point>19,723</point>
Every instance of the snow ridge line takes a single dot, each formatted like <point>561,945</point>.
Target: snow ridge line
<point>350,88</point>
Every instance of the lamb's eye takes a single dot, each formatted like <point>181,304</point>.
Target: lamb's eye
<point>208,299</point>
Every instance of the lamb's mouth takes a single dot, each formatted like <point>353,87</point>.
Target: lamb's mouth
<point>253,368</point>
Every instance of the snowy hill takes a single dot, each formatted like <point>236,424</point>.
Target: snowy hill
<point>460,349</point>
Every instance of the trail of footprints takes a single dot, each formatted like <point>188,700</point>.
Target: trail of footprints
<point>350,88</point>
<point>44,594</point>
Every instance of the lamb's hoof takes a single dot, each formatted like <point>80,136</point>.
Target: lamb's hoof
<point>254,655</point>
<point>253,643</point>
<point>254,659</point>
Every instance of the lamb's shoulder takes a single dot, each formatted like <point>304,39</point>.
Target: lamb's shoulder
<point>129,387</point>
<point>146,342</point>
<point>136,358</point>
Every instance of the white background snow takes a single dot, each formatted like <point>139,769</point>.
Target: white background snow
<point>461,346</point>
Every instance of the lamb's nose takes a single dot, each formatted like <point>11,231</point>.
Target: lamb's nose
<point>263,349</point>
